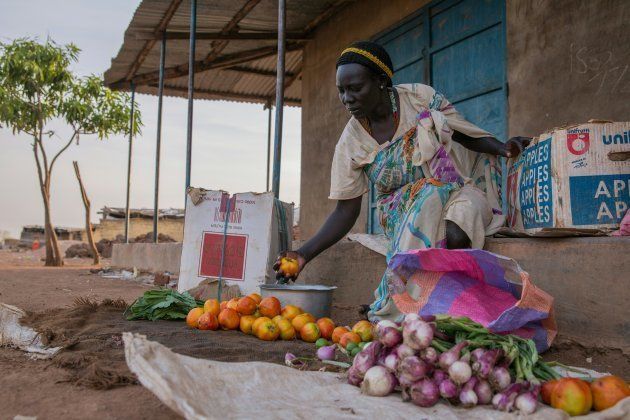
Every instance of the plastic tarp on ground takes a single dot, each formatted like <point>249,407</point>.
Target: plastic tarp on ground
<point>13,334</point>
<point>206,389</point>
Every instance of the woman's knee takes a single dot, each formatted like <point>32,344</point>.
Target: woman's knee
<point>456,238</point>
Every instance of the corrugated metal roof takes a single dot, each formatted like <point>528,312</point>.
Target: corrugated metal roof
<point>245,73</point>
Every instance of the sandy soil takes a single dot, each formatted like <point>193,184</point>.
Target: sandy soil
<point>31,388</point>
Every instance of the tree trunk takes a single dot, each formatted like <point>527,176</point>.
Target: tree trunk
<point>50,258</point>
<point>53,255</point>
<point>88,223</point>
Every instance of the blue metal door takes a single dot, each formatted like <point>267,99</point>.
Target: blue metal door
<point>458,47</point>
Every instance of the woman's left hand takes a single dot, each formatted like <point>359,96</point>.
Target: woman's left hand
<point>514,146</point>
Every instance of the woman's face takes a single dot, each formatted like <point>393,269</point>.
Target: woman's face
<point>359,89</point>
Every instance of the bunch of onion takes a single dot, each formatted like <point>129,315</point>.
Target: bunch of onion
<point>426,364</point>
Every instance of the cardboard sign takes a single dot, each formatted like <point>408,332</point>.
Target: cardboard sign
<point>571,178</point>
<point>241,251</point>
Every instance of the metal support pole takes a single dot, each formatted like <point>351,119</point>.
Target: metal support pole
<point>158,142</point>
<point>191,86</point>
<point>277,149</point>
<point>268,106</point>
<point>131,125</point>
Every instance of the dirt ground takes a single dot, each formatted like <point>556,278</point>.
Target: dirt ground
<point>64,387</point>
<point>31,387</point>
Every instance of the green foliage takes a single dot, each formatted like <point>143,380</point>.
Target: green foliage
<point>162,304</point>
<point>37,85</point>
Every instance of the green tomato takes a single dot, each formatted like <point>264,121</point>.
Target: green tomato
<point>355,351</point>
<point>351,346</point>
<point>321,343</point>
<point>362,344</point>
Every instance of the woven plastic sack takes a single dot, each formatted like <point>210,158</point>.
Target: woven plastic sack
<point>488,288</point>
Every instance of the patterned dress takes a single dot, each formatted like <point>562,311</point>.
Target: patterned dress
<point>422,179</point>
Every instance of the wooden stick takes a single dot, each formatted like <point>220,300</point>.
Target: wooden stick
<point>88,223</point>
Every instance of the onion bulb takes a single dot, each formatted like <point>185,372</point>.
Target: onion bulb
<point>448,389</point>
<point>528,401</point>
<point>378,382</point>
<point>499,378</point>
<point>326,352</point>
<point>424,393</point>
<point>450,356</point>
<point>411,369</point>
<point>417,334</point>
<point>460,372</point>
<point>389,336</point>
<point>467,396</point>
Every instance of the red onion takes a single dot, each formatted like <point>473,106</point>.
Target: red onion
<point>411,369</point>
<point>411,318</point>
<point>448,389</point>
<point>499,378</point>
<point>485,363</point>
<point>477,353</point>
<point>326,352</point>
<point>429,355</point>
<point>439,376</point>
<point>504,401</point>
<point>291,360</point>
<point>450,356</point>
<point>378,382</point>
<point>367,357</point>
<point>382,355</point>
<point>385,324</point>
<point>424,393</point>
<point>483,391</point>
<point>417,334</point>
<point>427,318</point>
<point>527,402</point>
<point>404,350</point>
<point>467,396</point>
<point>460,372</point>
<point>391,362</point>
<point>355,377</point>
<point>389,336</point>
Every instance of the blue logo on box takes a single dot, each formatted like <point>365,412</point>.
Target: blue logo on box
<point>535,194</point>
<point>599,199</point>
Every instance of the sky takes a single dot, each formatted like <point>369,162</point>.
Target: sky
<point>229,139</point>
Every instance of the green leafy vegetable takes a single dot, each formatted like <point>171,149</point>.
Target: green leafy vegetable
<point>162,304</point>
<point>525,363</point>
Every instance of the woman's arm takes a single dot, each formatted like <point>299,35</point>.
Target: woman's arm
<point>512,148</point>
<point>336,226</point>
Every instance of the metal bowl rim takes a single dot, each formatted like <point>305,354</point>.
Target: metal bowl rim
<point>298,287</point>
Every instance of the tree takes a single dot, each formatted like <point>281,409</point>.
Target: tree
<point>37,87</point>
<point>88,223</point>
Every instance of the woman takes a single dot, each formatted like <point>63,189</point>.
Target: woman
<point>436,175</point>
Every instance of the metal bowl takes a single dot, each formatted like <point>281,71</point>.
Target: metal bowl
<point>315,299</point>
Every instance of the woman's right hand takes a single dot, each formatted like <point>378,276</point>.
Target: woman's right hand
<point>289,276</point>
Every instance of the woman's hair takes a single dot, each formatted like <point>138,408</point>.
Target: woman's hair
<point>371,55</point>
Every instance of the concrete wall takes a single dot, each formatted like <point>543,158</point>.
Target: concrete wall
<point>148,256</point>
<point>586,276</point>
<point>568,62</point>
<point>323,115</point>
<point>110,228</point>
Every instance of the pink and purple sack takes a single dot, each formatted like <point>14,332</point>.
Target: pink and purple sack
<point>488,288</point>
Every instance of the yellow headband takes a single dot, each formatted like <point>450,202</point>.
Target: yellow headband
<point>372,58</point>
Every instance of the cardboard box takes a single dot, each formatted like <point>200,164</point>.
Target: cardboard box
<point>253,238</point>
<point>572,178</point>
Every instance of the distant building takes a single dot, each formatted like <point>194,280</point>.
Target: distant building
<point>32,233</point>
<point>112,223</point>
